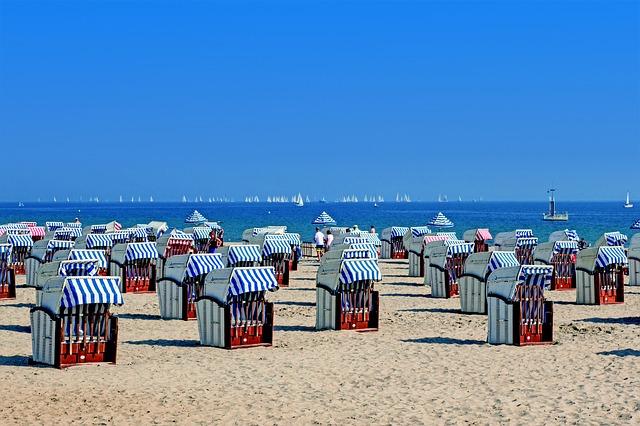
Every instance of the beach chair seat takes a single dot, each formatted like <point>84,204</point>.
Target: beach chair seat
<point>600,275</point>
<point>7,274</point>
<point>446,266</point>
<point>136,265</point>
<point>479,237</point>
<point>561,255</point>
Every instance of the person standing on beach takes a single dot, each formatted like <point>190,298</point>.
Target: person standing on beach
<point>329,240</point>
<point>372,230</point>
<point>319,240</point>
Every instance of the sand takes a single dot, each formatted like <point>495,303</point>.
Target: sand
<point>427,364</point>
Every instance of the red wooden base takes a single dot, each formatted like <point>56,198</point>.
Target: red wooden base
<point>19,269</point>
<point>562,284</point>
<point>77,353</point>
<point>138,285</point>
<point>542,334</point>
<point>7,292</point>
<point>400,255</point>
<point>609,298</point>
<point>248,336</point>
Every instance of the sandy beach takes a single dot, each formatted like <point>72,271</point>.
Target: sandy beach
<point>428,363</point>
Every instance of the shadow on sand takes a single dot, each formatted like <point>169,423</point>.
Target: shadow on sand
<point>166,342</point>
<point>16,328</point>
<point>622,320</point>
<point>139,316</point>
<point>622,352</point>
<point>293,328</point>
<point>14,360</point>
<point>446,341</point>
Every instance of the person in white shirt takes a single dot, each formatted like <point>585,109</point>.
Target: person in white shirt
<point>329,240</point>
<point>319,241</point>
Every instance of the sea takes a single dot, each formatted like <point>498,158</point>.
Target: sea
<point>590,219</point>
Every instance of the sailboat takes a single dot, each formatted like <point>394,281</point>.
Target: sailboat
<point>298,200</point>
<point>628,204</point>
<point>121,198</point>
<point>552,215</point>
<point>151,199</point>
<point>55,200</point>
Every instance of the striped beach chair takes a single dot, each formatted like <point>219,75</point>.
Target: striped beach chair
<point>600,275</point>
<point>392,243</point>
<point>7,274</point>
<point>183,283</point>
<point>136,265</point>
<point>480,237</point>
<point>562,256</point>
<point>345,295</point>
<point>446,266</point>
<point>518,313</point>
<point>74,324</point>
<point>233,311</point>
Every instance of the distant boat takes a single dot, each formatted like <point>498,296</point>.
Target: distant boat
<point>121,198</point>
<point>628,204</point>
<point>20,204</point>
<point>297,200</point>
<point>552,215</point>
<point>184,198</point>
<point>375,204</point>
<point>459,198</point>
<point>55,200</point>
<point>151,199</point>
<point>67,199</point>
<point>323,200</point>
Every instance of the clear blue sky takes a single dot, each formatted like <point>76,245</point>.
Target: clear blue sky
<point>496,99</point>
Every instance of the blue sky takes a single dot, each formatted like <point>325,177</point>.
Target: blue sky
<point>495,99</point>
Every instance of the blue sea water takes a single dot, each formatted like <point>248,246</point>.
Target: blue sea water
<point>590,219</point>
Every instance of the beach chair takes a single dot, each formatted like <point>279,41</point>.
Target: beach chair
<point>21,248</point>
<point>157,229</point>
<point>562,256</point>
<point>249,233</point>
<point>428,248</point>
<point>479,237</point>
<point>241,256</point>
<point>135,264</point>
<point>53,225</point>
<point>183,283</point>
<point>518,313</point>
<point>446,265</point>
<point>37,233</point>
<point>138,235</point>
<point>74,324</point>
<point>392,243</point>
<point>612,239</point>
<point>472,283</point>
<point>7,274</point>
<point>564,235</point>
<point>415,248</point>
<point>201,238</point>
<point>345,295</point>
<point>522,246</point>
<point>296,250</point>
<point>276,252</point>
<point>600,275</point>
<point>233,311</point>
<point>98,255</point>
<point>119,237</point>
<point>173,244</point>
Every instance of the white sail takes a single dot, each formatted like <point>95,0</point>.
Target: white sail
<point>184,198</point>
<point>628,204</point>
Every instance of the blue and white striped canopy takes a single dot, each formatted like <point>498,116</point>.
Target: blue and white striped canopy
<point>99,240</point>
<point>20,240</point>
<point>62,234</point>
<point>323,219</point>
<point>98,229</point>
<point>460,248</point>
<point>18,231</point>
<point>137,233</point>
<point>86,254</point>
<point>201,233</point>
<point>419,231</point>
<point>74,225</point>
<point>87,290</point>
<point>176,234</point>
<point>449,235</point>
<point>356,254</point>
<point>523,233</point>
<point>502,259</point>
<point>275,244</point>
<point>571,234</point>
<point>294,239</point>
<point>615,238</point>
<point>611,255</point>
<point>53,225</point>
<point>78,268</point>
<point>440,221</point>
<point>203,263</point>
<point>356,240</point>
<point>536,275</point>
<point>636,224</point>
<point>252,279</point>
<point>565,247</point>
<point>60,245</point>
<point>137,251</point>
<point>372,238</point>
<point>147,229</point>
<point>244,253</point>
<point>212,225</point>
<point>353,270</point>
<point>119,237</point>
<point>365,246</point>
<point>398,231</point>
<point>527,242</point>
<point>195,217</point>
